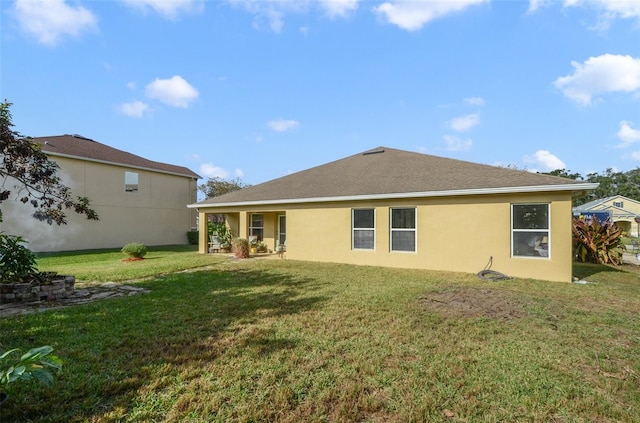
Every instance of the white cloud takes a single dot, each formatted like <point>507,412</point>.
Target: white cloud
<point>635,155</point>
<point>611,9</point>
<point>627,134</point>
<point>600,74</point>
<point>282,125</point>
<point>475,101</point>
<point>413,15</point>
<point>464,123</point>
<point>457,144</point>
<point>338,8</point>
<point>49,21</point>
<point>273,12</point>
<point>546,160</point>
<point>208,170</point>
<point>174,91</point>
<point>169,9</point>
<point>134,109</point>
<point>239,173</point>
<point>534,5</point>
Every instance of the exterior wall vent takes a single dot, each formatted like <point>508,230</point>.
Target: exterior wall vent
<point>374,151</point>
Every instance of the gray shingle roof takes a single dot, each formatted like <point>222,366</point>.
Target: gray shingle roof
<point>386,172</point>
<point>85,148</point>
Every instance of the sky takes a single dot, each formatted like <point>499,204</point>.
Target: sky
<point>258,89</point>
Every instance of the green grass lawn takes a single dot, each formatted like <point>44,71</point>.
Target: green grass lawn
<point>282,340</point>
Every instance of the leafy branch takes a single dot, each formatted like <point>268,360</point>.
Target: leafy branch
<point>33,176</point>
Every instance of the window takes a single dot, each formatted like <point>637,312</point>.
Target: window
<point>131,181</point>
<point>363,223</point>
<point>618,204</point>
<point>256,227</point>
<point>403,229</point>
<point>530,230</point>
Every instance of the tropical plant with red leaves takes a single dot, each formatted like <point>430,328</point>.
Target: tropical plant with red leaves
<point>596,242</point>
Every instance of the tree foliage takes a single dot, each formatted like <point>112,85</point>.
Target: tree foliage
<point>29,176</point>
<point>611,183</point>
<point>217,186</point>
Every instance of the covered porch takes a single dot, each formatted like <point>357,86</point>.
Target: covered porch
<point>268,227</point>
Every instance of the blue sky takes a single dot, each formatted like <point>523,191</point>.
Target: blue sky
<point>261,89</point>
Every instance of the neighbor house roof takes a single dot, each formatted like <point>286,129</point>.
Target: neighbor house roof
<point>79,147</point>
<point>389,173</point>
<point>601,202</point>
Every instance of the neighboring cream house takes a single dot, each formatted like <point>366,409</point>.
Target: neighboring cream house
<point>137,200</point>
<point>623,211</point>
<point>388,207</point>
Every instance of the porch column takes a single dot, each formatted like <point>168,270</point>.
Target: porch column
<point>244,225</point>
<point>203,233</point>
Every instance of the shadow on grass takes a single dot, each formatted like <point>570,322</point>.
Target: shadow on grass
<point>115,349</point>
<point>584,270</point>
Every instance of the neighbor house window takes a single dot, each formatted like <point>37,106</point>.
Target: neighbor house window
<point>530,230</point>
<point>403,229</point>
<point>363,227</point>
<point>131,181</point>
<point>256,227</point>
<point>618,204</point>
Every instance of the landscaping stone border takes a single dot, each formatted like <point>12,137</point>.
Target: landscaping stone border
<point>61,287</point>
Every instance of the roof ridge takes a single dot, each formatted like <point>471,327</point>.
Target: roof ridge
<point>74,145</point>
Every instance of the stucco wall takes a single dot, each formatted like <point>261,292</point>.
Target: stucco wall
<point>155,215</point>
<point>455,233</point>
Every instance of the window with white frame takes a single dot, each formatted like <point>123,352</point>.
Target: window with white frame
<point>256,226</point>
<point>618,204</point>
<point>530,235</point>
<point>403,229</point>
<point>130,181</point>
<point>363,228</point>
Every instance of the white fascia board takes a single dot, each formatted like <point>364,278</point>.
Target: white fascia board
<point>86,159</point>
<point>391,196</point>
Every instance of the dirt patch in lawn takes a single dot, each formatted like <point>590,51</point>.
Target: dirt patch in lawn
<point>474,302</point>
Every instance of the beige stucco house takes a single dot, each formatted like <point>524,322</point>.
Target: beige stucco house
<point>388,207</point>
<point>623,211</point>
<point>137,200</point>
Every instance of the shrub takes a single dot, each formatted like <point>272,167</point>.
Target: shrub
<point>221,230</point>
<point>35,364</point>
<point>595,242</point>
<point>193,236</point>
<point>241,248</point>
<point>135,249</point>
<point>17,262</point>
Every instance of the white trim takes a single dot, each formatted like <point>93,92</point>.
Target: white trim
<point>426,194</point>
<point>414,229</point>
<point>251,227</point>
<point>353,229</point>
<point>548,231</point>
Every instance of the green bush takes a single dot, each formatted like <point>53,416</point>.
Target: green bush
<point>135,249</point>
<point>193,237</point>
<point>35,364</point>
<point>17,262</point>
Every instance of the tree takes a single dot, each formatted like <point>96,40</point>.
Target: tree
<point>28,175</point>
<point>611,183</point>
<point>217,186</point>
<point>565,174</point>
